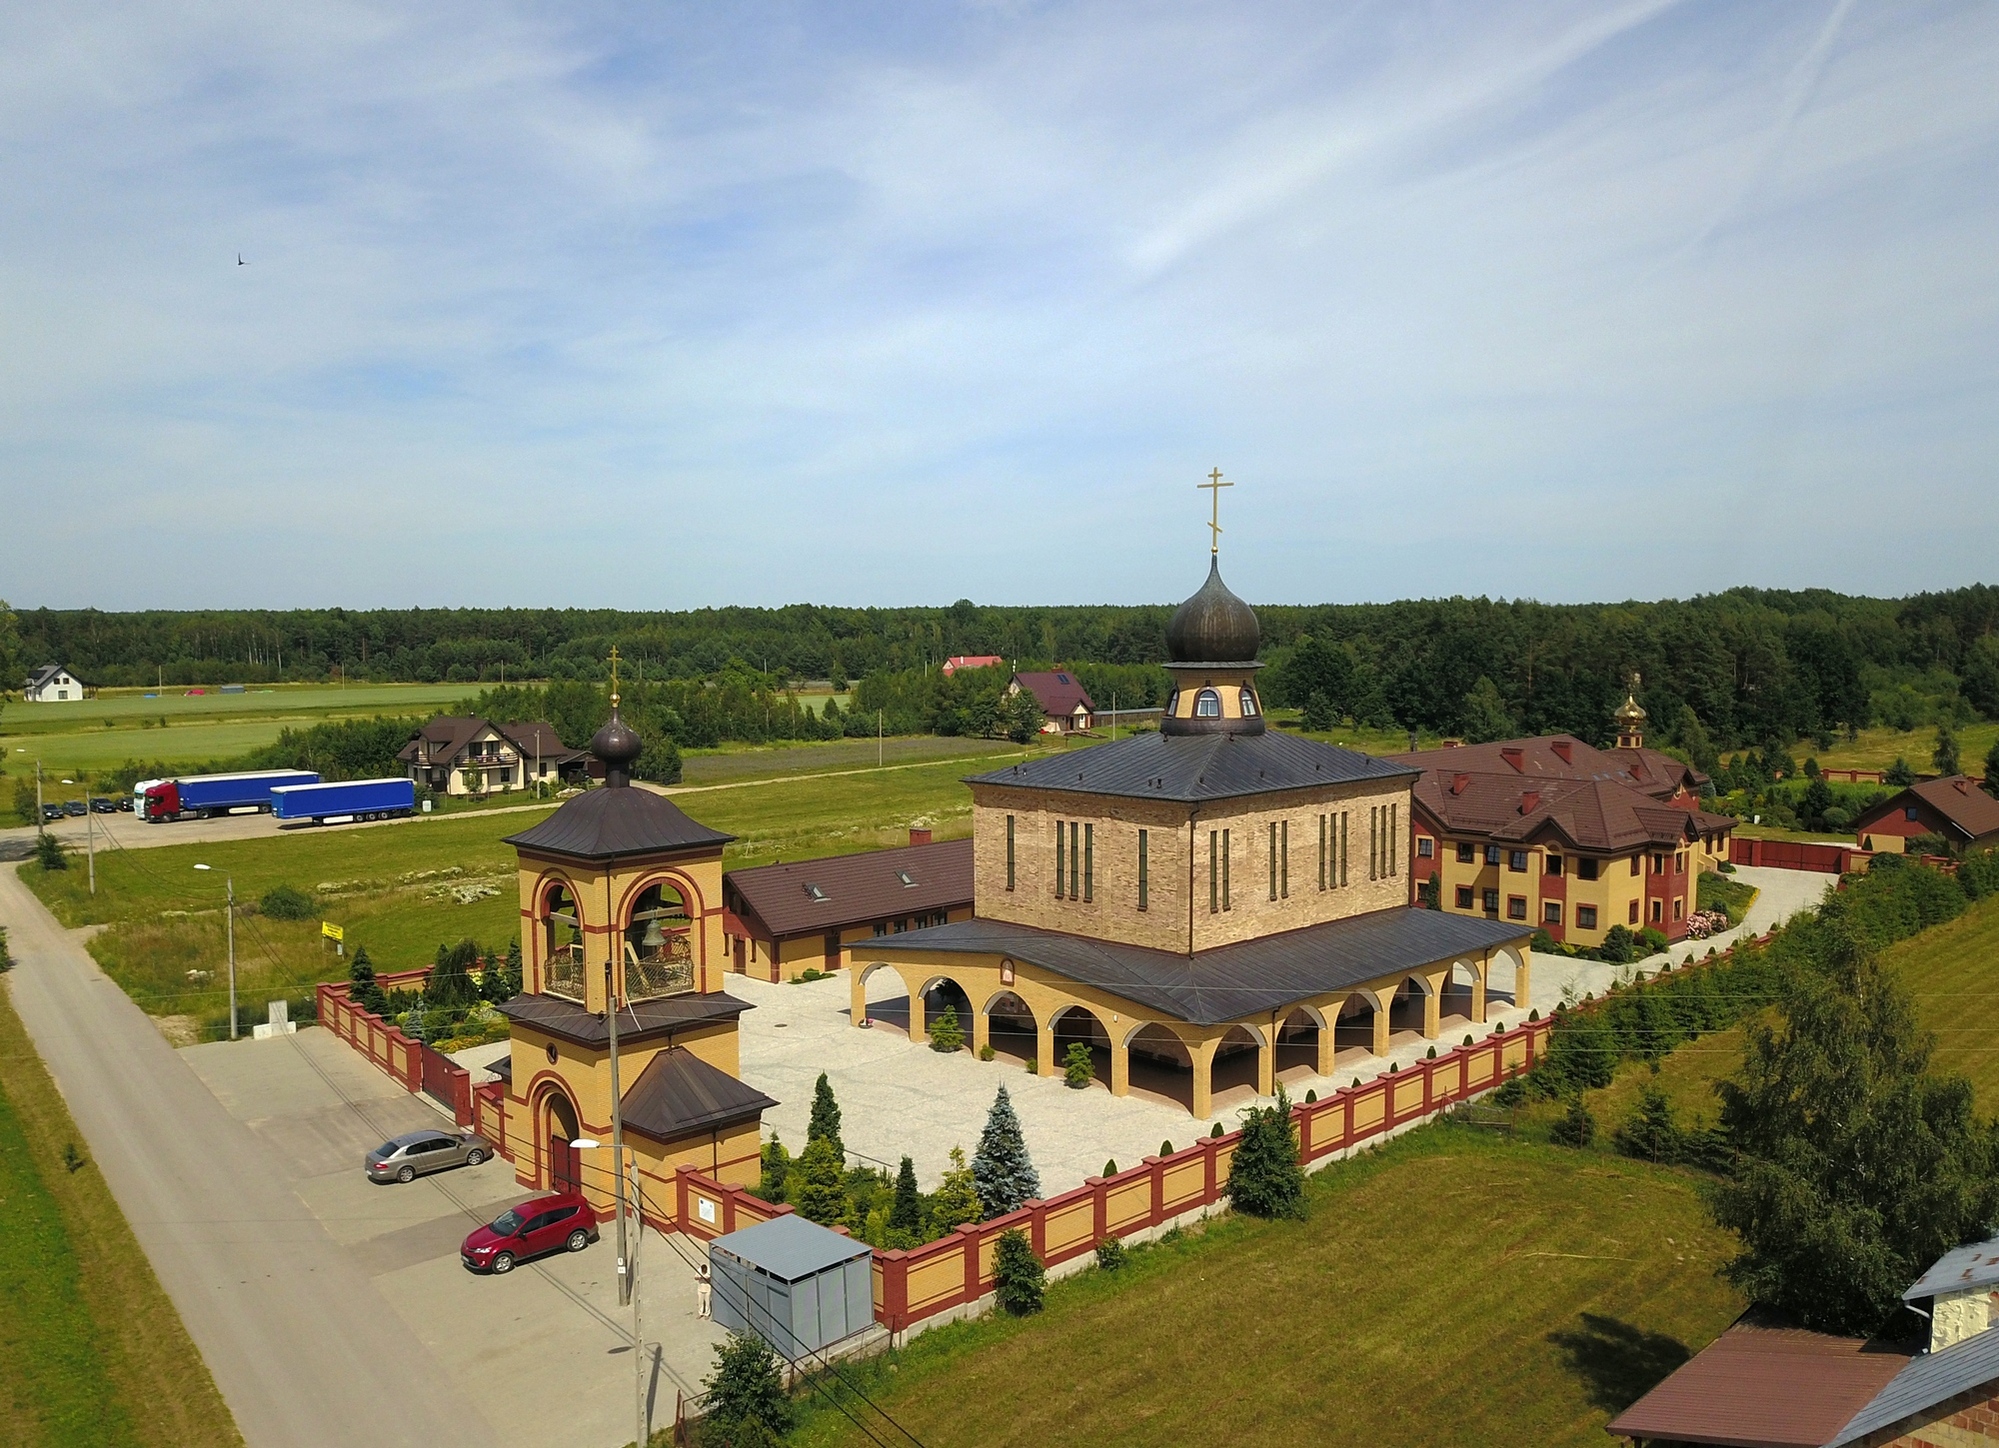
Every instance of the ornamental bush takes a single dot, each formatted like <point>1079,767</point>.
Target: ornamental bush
<point>1265,1176</point>
<point>822,1195</point>
<point>746,1398</point>
<point>1111,1254</point>
<point>1079,1068</point>
<point>946,1034</point>
<point>1019,1280</point>
<point>825,1118</point>
<point>1002,1171</point>
<point>283,902</point>
<point>49,853</point>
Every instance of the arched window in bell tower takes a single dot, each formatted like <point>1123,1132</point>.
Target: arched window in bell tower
<point>1207,705</point>
<point>1249,703</point>
<point>659,945</point>
<point>561,944</point>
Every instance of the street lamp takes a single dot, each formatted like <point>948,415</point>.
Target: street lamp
<point>232,950</point>
<point>629,1274</point>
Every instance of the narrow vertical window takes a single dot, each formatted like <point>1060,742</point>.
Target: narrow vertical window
<point>1226,852</point>
<point>1394,840</point>
<point>1144,880</point>
<point>1089,862</point>
<point>1009,852</point>
<point>1060,858</point>
<point>1373,837</point>
<point>1343,847</point>
<point>1075,860</point>
<point>1284,859</point>
<point>1214,872</point>
<point>1273,859</point>
<point>1322,852</point>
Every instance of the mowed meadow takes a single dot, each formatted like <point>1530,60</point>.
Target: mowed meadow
<point>403,889</point>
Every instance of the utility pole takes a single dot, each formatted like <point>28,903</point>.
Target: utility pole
<point>1114,716</point>
<point>232,951</point>
<point>41,815</point>
<point>90,837</point>
<point>617,1137</point>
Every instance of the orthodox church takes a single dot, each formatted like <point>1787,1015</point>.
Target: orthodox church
<point>621,931</point>
<point>1214,901</point>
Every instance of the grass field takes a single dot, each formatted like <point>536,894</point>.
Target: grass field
<point>1454,1287</point>
<point>92,1352</point>
<point>1879,748</point>
<point>401,890</point>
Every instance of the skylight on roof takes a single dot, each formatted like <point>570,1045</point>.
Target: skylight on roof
<point>906,878</point>
<point>814,893</point>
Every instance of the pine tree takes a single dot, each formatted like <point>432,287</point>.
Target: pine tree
<point>822,1194</point>
<point>1944,757</point>
<point>906,1215</point>
<point>1651,1134</point>
<point>1857,1168</point>
<point>1001,1169</point>
<point>746,1398</point>
<point>957,1200</point>
<point>366,993</point>
<point>1018,1276</point>
<point>825,1118</point>
<point>1265,1177</point>
<point>946,1034</point>
<point>776,1176</point>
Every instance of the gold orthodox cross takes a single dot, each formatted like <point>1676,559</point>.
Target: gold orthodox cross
<point>1214,485</point>
<point>614,673</point>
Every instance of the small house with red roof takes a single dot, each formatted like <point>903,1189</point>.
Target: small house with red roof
<point>1065,703</point>
<point>1955,807</point>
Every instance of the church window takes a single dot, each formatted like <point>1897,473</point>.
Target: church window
<point>1009,852</point>
<point>1060,857</point>
<point>1284,859</point>
<point>1207,705</point>
<point>1214,871</point>
<point>1144,881</point>
<point>1343,847</point>
<point>1089,862</point>
<point>1374,842</point>
<point>1394,840</point>
<point>1075,859</point>
<point>1226,852</point>
<point>1273,859</point>
<point>659,956</point>
<point>562,944</point>
<point>1248,704</point>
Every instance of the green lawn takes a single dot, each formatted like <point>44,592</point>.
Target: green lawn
<point>401,890</point>
<point>1879,748</point>
<point>91,1350</point>
<point>1453,1287</point>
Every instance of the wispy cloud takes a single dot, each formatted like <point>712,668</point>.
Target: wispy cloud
<point>616,304</point>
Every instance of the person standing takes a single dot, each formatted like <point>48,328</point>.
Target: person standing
<point>702,1288</point>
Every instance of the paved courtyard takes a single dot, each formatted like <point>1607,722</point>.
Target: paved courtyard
<point>899,1097</point>
<point>545,1351</point>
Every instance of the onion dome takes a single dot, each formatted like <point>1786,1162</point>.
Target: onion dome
<point>1631,711</point>
<point>617,746</point>
<point>1214,626</point>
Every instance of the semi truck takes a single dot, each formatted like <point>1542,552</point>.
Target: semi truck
<point>345,801</point>
<point>199,796</point>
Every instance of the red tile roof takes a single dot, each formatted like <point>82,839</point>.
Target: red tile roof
<point>1598,816</point>
<point>971,661</point>
<point>1057,691</point>
<point>1563,756</point>
<point>1763,1387</point>
<point>1957,798</point>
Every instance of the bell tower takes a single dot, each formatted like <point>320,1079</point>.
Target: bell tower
<point>1631,717</point>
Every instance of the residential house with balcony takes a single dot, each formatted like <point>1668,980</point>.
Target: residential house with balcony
<point>458,754</point>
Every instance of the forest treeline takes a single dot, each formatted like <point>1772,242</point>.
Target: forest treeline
<point>1753,665</point>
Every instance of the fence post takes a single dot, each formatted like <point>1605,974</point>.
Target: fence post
<point>968,1245</point>
<point>1158,1172</point>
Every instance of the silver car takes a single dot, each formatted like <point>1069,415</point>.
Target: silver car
<point>407,1157</point>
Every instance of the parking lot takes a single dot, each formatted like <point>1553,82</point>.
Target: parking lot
<point>545,1351</point>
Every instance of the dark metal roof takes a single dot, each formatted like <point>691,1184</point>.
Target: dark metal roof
<point>1214,626</point>
<point>1959,1270</point>
<point>1057,691</point>
<point>1927,1381</point>
<point>503,1067</point>
<point>1188,769</point>
<point>639,1021</point>
<point>790,1248</point>
<point>679,1093</point>
<point>854,889</point>
<point>1762,1386</point>
<point>1229,982</point>
<point>610,822</point>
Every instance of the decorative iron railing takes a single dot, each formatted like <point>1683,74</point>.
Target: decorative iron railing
<point>563,975</point>
<point>664,969</point>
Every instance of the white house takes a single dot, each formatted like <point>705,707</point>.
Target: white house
<point>52,684</point>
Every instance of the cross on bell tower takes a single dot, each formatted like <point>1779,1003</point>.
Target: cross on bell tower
<point>1214,485</point>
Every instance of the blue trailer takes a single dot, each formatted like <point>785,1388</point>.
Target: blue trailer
<point>198,796</point>
<point>346,801</point>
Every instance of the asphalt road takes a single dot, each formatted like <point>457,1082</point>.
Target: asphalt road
<point>303,1347</point>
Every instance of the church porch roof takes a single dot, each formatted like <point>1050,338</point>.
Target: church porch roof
<point>1189,769</point>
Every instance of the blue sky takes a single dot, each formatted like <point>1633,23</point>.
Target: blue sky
<point>665,306</point>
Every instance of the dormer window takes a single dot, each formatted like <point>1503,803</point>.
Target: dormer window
<point>813,893</point>
<point>1172,703</point>
<point>1207,705</point>
<point>1248,704</point>
<point>908,880</point>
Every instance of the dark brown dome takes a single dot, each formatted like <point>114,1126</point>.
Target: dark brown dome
<point>1214,626</point>
<point>617,746</point>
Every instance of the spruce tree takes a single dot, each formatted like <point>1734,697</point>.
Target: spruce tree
<point>1944,756</point>
<point>1001,1169</point>
<point>1899,774</point>
<point>776,1178</point>
<point>906,1215</point>
<point>366,992</point>
<point>825,1119</point>
<point>822,1194</point>
<point>1019,1279</point>
<point>1265,1177</point>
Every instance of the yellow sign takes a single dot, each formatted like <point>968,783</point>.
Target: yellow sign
<point>332,931</point>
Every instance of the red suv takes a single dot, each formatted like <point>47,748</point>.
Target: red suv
<point>563,1222</point>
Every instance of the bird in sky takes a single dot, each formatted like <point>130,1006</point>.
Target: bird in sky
<point>239,259</point>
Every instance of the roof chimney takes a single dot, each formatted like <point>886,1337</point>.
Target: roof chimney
<point>1963,784</point>
<point>1512,755</point>
<point>1459,782</point>
<point>1530,800</point>
<point>1565,750</point>
<point>919,837</point>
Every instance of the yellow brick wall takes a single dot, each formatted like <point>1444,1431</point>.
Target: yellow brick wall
<point>1112,912</point>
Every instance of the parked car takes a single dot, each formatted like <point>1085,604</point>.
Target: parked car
<point>123,802</point>
<point>405,1158</point>
<point>51,813</point>
<point>76,808</point>
<point>104,804</point>
<point>564,1222</point>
